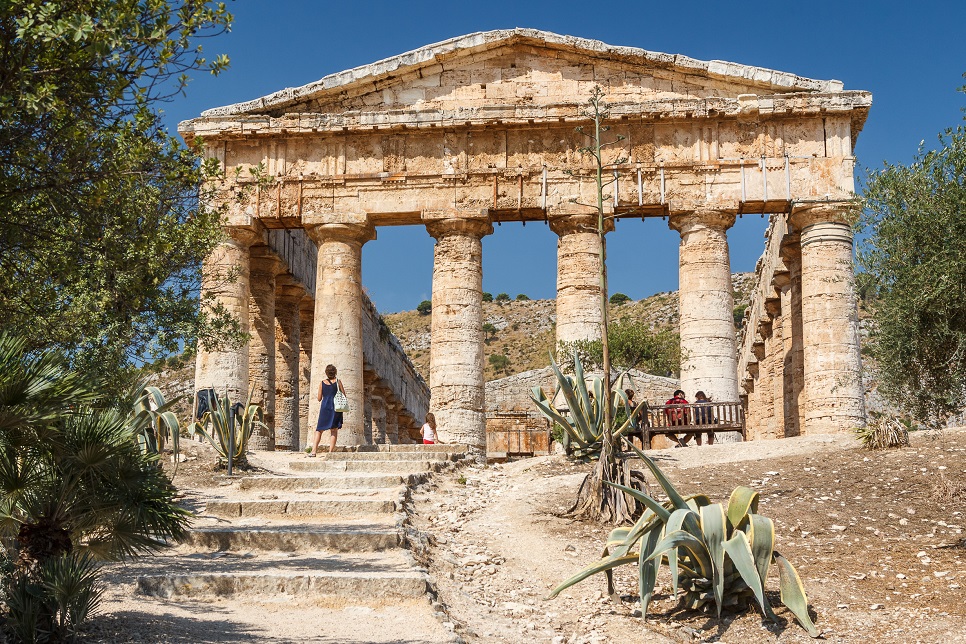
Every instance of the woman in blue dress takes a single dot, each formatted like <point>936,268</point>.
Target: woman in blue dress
<point>329,419</point>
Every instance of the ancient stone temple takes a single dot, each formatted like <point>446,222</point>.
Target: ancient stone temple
<point>477,130</point>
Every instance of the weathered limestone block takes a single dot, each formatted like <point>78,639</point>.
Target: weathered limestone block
<point>456,355</point>
<point>225,280</point>
<point>708,355</point>
<point>378,403</point>
<point>833,390</point>
<point>337,334</point>
<point>265,267</point>
<point>579,310</point>
<point>392,421</point>
<point>306,326</point>
<point>287,333</point>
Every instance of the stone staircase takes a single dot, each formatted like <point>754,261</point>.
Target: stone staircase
<point>331,529</point>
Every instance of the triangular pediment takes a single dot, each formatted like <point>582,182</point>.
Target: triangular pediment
<point>525,66</point>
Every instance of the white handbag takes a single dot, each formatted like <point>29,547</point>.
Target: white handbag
<point>341,402</point>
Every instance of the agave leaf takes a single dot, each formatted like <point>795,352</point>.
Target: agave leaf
<point>566,386</point>
<point>697,501</point>
<point>696,547</point>
<point>792,594</point>
<point>594,568</point>
<point>647,570</point>
<point>561,420</point>
<point>580,385</point>
<point>741,555</point>
<point>663,481</point>
<point>715,529</point>
<point>743,501</point>
<point>674,523</point>
<point>651,504</point>
<point>761,536</point>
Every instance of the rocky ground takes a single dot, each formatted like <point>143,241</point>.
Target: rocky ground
<point>877,538</point>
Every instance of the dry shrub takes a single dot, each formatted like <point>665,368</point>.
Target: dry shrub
<point>883,432</point>
<point>947,491</point>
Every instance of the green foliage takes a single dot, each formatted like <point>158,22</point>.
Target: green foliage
<point>633,345</point>
<point>522,297</point>
<point>487,297</point>
<point>425,307</point>
<point>502,297</point>
<point>619,299</point>
<point>499,361</point>
<point>102,230</point>
<point>583,422</point>
<point>884,431</point>
<point>915,257</point>
<point>718,555</point>
<point>74,485</point>
<point>739,315</point>
<point>489,331</point>
<point>222,419</point>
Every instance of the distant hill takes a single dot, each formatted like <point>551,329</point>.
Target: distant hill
<point>525,329</point>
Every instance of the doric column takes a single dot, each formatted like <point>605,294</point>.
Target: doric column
<point>456,353</point>
<point>306,324</point>
<point>781,282</point>
<point>337,334</point>
<point>795,354</point>
<point>757,415</point>
<point>774,346</point>
<point>834,398</point>
<point>265,266</point>
<point>225,281</point>
<point>579,312</point>
<point>287,332</point>
<point>379,416</point>
<point>392,420</point>
<point>708,355</point>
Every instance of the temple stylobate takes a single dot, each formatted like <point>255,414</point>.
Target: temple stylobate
<point>479,130</point>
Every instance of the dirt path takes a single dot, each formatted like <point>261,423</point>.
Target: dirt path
<point>877,538</point>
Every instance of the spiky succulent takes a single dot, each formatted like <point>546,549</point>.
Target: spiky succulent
<point>717,555</point>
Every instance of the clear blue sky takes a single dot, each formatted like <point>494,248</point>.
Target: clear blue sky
<point>910,55</point>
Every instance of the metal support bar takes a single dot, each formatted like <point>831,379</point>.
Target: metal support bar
<point>744,192</point>
<point>764,181</point>
<point>640,188</point>
<point>662,183</point>
<point>543,188</point>
<point>616,190</point>
<point>788,180</point>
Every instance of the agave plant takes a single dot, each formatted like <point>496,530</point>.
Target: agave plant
<point>583,424</point>
<point>717,555</point>
<point>229,427</point>
<point>152,424</point>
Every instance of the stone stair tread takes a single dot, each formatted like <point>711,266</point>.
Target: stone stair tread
<point>383,467</point>
<point>309,494</point>
<point>372,522</point>
<point>327,480</point>
<point>275,563</point>
<point>389,456</point>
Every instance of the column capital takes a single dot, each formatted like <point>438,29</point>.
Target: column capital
<point>246,235</point>
<point>790,250</point>
<point>563,223</point>
<point>264,260</point>
<point>684,221</point>
<point>805,215</point>
<point>470,226</point>
<point>781,279</point>
<point>288,289</point>
<point>349,233</point>
<point>773,307</point>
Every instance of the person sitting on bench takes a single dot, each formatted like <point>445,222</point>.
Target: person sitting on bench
<point>703,416</point>
<point>678,416</point>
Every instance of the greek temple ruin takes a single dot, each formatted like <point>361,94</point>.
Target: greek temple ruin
<point>478,130</point>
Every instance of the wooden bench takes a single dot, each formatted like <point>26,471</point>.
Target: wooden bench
<point>711,418</point>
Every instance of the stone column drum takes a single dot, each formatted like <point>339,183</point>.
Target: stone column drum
<point>579,312</point>
<point>225,279</point>
<point>834,394</point>
<point>456,353</point>
<point>265,266</point>
<point>708,355</point>
<point>287,331</point>
<point>306,322</point>
<point>795,355</point>
<point>337,333</point>
<point>774,346</point>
